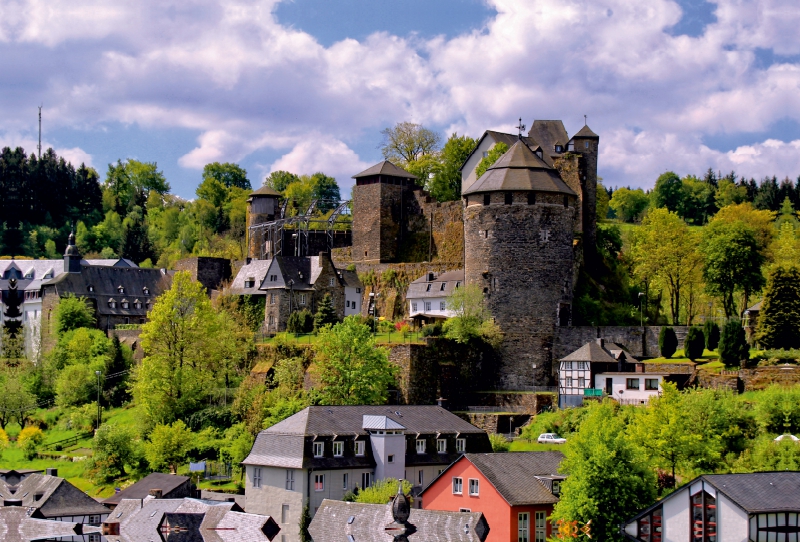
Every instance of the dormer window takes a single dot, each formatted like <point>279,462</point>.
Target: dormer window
<point>29,275</point>
<point>90,288</point>
<point>559,148</point>
<point>112,303</point>
<point>48,274</point>
<point>250,282</point>
<point>120,290</point>
<point>428,289</point>
<point>441,289</point>
<point>125,304</point>
<point>146,290</point>
<point>137,304</point>
<point>540,154</point>
<point>273,278</point>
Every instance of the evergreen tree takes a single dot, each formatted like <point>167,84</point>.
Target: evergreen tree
<point>779,318</point>
<point>326,314</point>
<point>768,196</point>
<point>733,347</point>
<point>136,244</point>
<point>711,333</point>
<point>667,342</point>
<point>694,343</point>
<point>300,322</point>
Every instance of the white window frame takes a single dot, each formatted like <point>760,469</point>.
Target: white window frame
<point>541,527</point>
<point>319,449</point>
<point>441,445</point>
<point>427,306</point>
<point>302,299</point>
<point>474,487</point>
<point>581,382</point>
<point>284,513</point>
<point>556,488</point>
<point>461,445</point>
<point>360,447</point>
<point>289,480</point>
<point>345,481</point>
<point>420,446</point>
<point>413,307</point>
<point>442,305</point>
<point>319,482</point>
<point>257,477</point>
<point>338,448</point>
<point>331,281</point>
<point>366,480</point>
<point>458,485</point>
<point>523,527</point>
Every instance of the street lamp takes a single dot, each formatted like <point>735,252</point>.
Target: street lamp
<point>641,317</point>
<point>98,398</point>
<point>373,308</point>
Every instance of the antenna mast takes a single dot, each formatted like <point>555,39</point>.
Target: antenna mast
<point>40,132</point>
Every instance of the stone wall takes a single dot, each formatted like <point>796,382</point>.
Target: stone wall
<point>378,211</point>
<point>569,339</point>
<point>496,423</point>
<point>761,378</point>
<point>129,337</point>
<point>210,272</point>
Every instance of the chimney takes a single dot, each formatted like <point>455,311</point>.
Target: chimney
<point>111,528</point>
<point>601,342</point>
<point>51,472</point>
<point>441,402</point>
<point>156,493</point>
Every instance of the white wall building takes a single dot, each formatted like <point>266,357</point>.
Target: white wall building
<point>427,296</point>
<point>630,388</point>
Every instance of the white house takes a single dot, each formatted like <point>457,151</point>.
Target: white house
<point>629,388</point>
<point>427,296</point>
<point>757,507</point>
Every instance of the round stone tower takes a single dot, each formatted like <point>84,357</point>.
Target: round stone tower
<point>262,206</point>
<point>519,223</point>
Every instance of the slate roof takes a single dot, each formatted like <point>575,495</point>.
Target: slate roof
<point>508,139</point>
<point>350,278</point>
<point>257,270</point>
<point>760,492</point>
<point>548,134</point>
<point>756,307</point>
<point>385,168</point>
<point>265,191</point>
<point>331,524</point>
<point>57,497</point>
<point>516,476</point>
<point>595,353</point>
<point>419,288</point>
<point>141,489</point>
<point>379,422</point>
<point>19,524</point>
<point>587,133</point>
<point>520,169</point>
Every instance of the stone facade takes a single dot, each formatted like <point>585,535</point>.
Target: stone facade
<point>569,339</point>
<point>210,272</point>
<point>378,230</point>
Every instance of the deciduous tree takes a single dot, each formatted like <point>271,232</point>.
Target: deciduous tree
<point>471,319</point>
<point>494,154</point>
<point>407,142</point>
<point>446,182</point>
<point>168,446</point>
<point>72,313</point>
<point>668,192</point>
<point>228,174</point>
<point>629,204</point>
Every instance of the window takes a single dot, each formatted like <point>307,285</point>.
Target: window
<point>487,199</point>
<point>541,527</point>
<point>461,445</point>
<point>366,480</point>
<point>359,447</point>
<point>347,304</point>
<point>137,304</point>
<point>485,154</point>
<point>428,288</point>
<point>568,382</point>
<point>458,486</point>
<point>523,527</point>
<point>331,281</point>
<point>420,446</point>
<point>581,382</point>
<point>358,290</point>
<point>94,519</point>
<point>257,477</point>
<point>474,488</point>
<point>271,319</point>
<point>38,496</point>
<point>90,288</point>
<point>273,278</point>
<point>112,304</point>
<point>319,449</point>
<point>145,290</point>
<point>285,513</point>
<point>442,305</point>
<point>427,305</point>
<point>704,518</point>
<point>651,383</point>
<point>566,201</point>
<point>442,287</point>
<point>421,477</point>
<point>441,445</point>
<point>390,458</point>
<point>125,304</point>
<point>531,198</point>
<point>632,383</point>
<point>94,537</point>
<point>650,527</point>
<point>566,365</point>
<point>319,482</point>
<point>509,198</point>
<point>290,479</point>
<point>302,299</point>
<point>345,481</point>
<point>585,144</point>
<point>583,365</point>
<point>413,307</point>
<point>467,510</point>
<point>556,487</point>
<point>338,448</point>
<point>250,282</point>
<point>120,289</point>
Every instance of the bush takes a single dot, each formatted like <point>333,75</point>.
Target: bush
<point>733,347</point>
<point>499,443</point>
<point>711,332</point>
<point>694,344</point>
<point>667,342</point>
<point>30,433</point>
<point>382,491</point>
<point>432,330</point>
<point>300,322</point>
<point>28,450</point>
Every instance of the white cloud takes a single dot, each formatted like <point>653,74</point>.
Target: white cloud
<point>75,155</point>
<point>319,152</point>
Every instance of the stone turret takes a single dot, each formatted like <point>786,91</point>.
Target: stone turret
<point>262,206</point>
<point>72,256</point>
<point>519,221</point>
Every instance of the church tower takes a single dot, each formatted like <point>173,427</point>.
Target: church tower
<point>72,256</point>
<point>519,223</point>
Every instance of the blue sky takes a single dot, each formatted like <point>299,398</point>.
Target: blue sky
<point>307,85</point>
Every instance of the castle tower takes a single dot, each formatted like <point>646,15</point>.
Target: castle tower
<point>261,207</point>
<point>72,256</point>
<point>519,219</point>
<point>380,197</point>
<point>587,143</point>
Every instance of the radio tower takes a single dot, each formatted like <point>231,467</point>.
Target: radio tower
<point>40,132</point>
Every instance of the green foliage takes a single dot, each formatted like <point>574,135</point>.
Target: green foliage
<point>131,181</point>
<point>350,369</point>
<point>767,455</point>
<point>608,479</point>
<point>603,199</point>
<point>668,192</point>
<point>382,491</point>
<point>113,447</point>
<point>406,143</point>
<point>227,174</point>
<point>71,313</point>
<point>236,444</point>
<point>779,318</point>
<point>300,322</point>
<point>694,343</point>
<point>494,154</point>
<point>471,320</point>
<point>290,374</point>
<point>711,333</point>
<point>667,342</point>
<point>432,330</point>
<point>499,443</point>
<point>627,204</point>
<point>326,314</point>
<point>279,180</point>
<point>446,182</point>
<point>168,446</point>
<point>777,410</point>
<point>733,347</point>
<point>305,521</point>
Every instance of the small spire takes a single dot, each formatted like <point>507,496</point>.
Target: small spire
<point>521,128</point>
<point>585,123</point>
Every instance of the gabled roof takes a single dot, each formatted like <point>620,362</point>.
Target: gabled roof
<point>516,476</point>
<point>419,288</point>
<point>756,307</point>
<point>141,489</point>
<point>19,524</point>
<point>56,497</point>
<point>371,422</point>
<point>265,191</point>
<point>256,270</point>
<point>549,133</point>
<point>499,137</point>
<point>759,492</point>
<point>385,168</point>
<point>594,352</point>
<point>586,132</point>
<point>520,169</point>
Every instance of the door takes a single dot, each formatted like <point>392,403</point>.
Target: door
<point>609,386</point>
<point>523,527</point>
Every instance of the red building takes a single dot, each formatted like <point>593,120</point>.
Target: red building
<point>514,491</point>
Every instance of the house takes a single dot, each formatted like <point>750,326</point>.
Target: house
<point>291,283</point>
<point>758,507</point>
<point>186,520</point>
<point>324,452</point>
<point>157,484</point>
<point>337,521</point>
<point>20,524</point>
<point>13,477</point>
<point>601,368</point>
<point>427,296</point>
<point>515,491</point>
<point>54,498</point>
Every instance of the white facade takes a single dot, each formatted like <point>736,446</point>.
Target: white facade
<point>630,388</point>
<point>352,300</point>
<point>431,306</point>
<point>468,176</point>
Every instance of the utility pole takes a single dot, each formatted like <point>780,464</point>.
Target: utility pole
<point>98,398</point>
<point>40,132</point>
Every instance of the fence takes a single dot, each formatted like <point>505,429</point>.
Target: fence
<point>67,442</point>
<point>498,410</point>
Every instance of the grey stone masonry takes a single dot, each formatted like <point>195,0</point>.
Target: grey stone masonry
<point>379,229</point>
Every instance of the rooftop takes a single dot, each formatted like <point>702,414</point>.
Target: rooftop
<point>385,168</point>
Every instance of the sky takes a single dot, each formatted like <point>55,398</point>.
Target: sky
<point>308,85</point>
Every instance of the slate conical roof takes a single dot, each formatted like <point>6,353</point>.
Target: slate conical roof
<point>586,132</point>
<point>265,191</point>
<point>385,168</point>
<point>519,169</point>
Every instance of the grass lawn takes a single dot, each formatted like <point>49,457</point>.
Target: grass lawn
<point>680,357</point>
<point>520,445</point>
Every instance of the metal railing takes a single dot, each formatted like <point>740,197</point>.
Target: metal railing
<point>534,389</point>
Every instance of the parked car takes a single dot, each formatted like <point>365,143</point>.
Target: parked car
<point>550,438</point>
<point>787,436</point>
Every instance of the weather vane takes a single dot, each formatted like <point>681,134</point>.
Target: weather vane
<point>521,127</point>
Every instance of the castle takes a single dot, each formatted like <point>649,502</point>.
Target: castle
<point>520,232</point>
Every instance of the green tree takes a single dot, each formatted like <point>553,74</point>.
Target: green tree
<point>730,193</point>
<point>326,314</point>
<point>471,319</point>
<point>350,369</point>
<point>325,191</point>
<point>694,343</point>
<point>446,182</point>
<point>732,262</point>
<point>168,446</point>
<point>279,180</point>
<point>733,347</point>
<point>603,200</point>
<point>711,333</point>
<point>667,342</point>
<point>113,447</point>
<point>72,313</point>
<point>779,318</point>
<point>629,204</point>
<point>131,180</point>
<point>499,443</point>
<point>382,491</point>
<point>406,142</point>
<point>494,154</point>
<point>668,192</point>
<point>608,479</point>
<point>228,174</point>
<point>300,322</point>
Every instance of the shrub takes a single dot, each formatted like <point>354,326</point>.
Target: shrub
<point>667,342</point>
<point>499,443</point>
<point>432,330</point>
<point>30,433</point>
<point>711,332</point>
<point>733,347</point>
<point>300,322</point>
<point>29,449</point>
<point>694,344</point>
<point>382,491</point>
